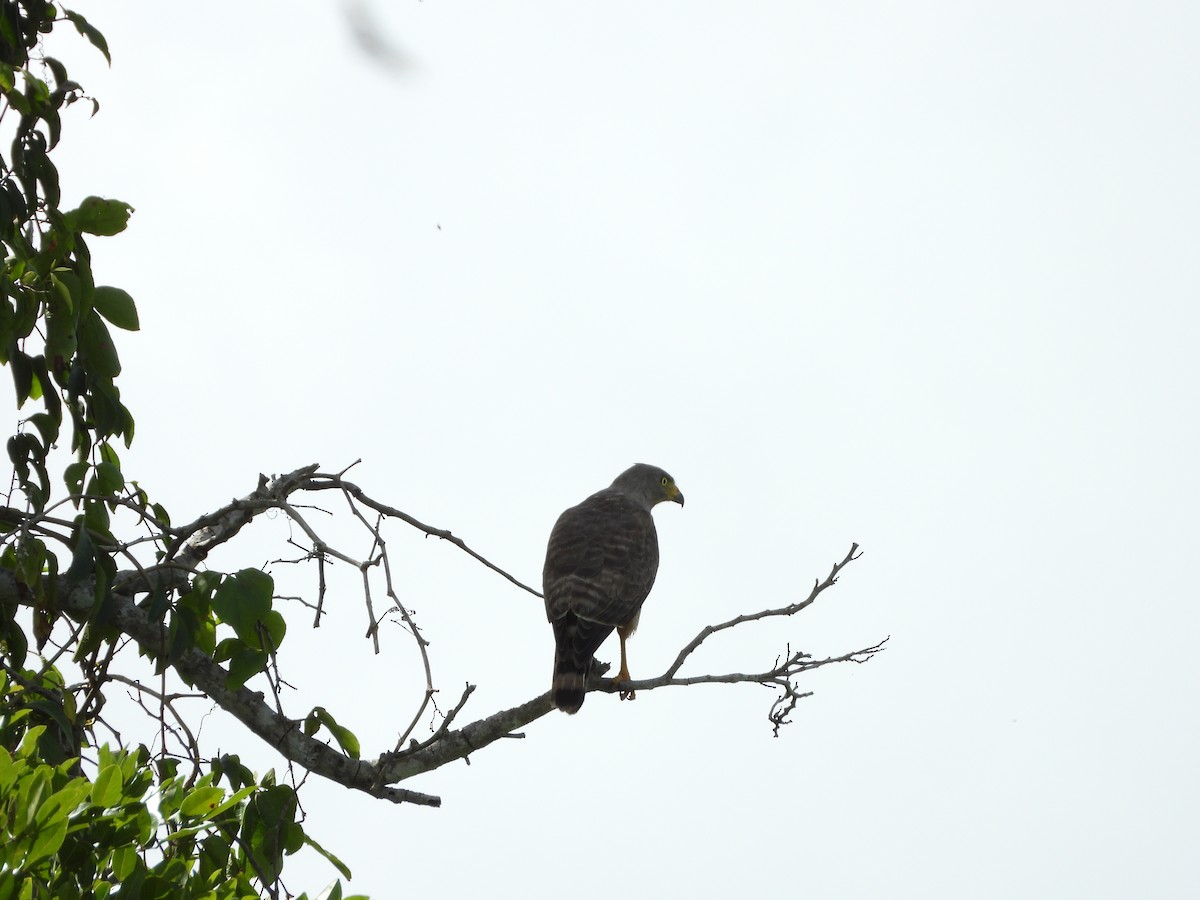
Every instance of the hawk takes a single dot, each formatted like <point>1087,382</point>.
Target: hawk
<point>600,565</point>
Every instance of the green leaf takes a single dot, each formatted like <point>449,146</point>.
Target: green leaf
<point>73,477</point>
<point>47,842</point>
<point>16,200</point>
<point>83,559</point>
<point>205,583</point>
<point>224,651</point>
<point>230,802</point>
<point>181,636</point>
<point>293,837</point>
<point>31,559</point>
<point>22,369</point>
<point>89,31</point>
<point>124,859</point>
<point>346,738</point>
<point>7,320</point>
<point>16,648</point>
<point>99,216</point>
<point>108,454</point>
<point>61,292</point>
<point>116,306</point>
<point>276,628</point>
<point>64,801</point>
<point>166,768</point>
<point>30,795</point>
<point>267,829</point>
<point>55,712</point>
<point>57,69</point>
<point>160,513</point>
<point>47,427</point>
<point>109,478</point>
<point>213,854</point>
<point>52,119</point>
<point>35,89</point>
<point>62,337</point>
<point>242,600</point>
<point>52,599</point>
<point>244,665</point>
<point>159,601</point>
<point>106,789</point>
<point>28,309</point>
<point>206,636</point>
<point>96,345</point>
<point>108,412</point>
<point>95,515</point>
<point>341,866</point>
<point>47,175</point>
<point>28,746</point>
<point>229,766</point>
<point>201,802</point>
<point>133,763</point>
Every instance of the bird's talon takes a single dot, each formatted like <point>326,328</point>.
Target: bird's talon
<point>622,677</point>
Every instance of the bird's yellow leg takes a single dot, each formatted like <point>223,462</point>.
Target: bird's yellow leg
<point>623,675</point>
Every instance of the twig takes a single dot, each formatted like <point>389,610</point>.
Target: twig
<point>323,482</point>
<point>442,729</point>
<point>791,610</point>
<point>166,701</point>
<point>795,664</point>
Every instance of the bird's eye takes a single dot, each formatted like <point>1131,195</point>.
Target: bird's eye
<point>665,481</point>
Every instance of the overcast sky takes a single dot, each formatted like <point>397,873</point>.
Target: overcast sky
<point>918,275</point>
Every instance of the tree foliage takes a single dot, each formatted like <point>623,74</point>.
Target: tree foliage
<point>78,818</point>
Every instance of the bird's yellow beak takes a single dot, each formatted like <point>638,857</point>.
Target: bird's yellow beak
<point>675,495</point>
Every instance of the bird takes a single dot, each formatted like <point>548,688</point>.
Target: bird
<point>601,562</point>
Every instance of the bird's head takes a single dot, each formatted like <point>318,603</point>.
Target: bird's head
<point>649,484</point>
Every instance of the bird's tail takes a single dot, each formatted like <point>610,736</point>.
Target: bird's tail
<point>569,684</point>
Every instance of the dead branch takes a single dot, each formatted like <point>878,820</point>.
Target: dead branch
<point>323,482</point>
<point>790,610</point>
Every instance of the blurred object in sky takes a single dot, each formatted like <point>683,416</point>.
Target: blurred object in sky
<point>371,39</point>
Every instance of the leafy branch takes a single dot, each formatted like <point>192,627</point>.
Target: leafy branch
<point>223,678</point>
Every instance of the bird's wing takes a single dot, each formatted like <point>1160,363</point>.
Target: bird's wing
<point>601,561</point>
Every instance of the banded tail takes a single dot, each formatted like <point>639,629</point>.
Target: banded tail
<point>569,684</point>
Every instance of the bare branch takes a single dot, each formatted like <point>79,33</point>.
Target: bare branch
<point>794,665</point>
<point>444,727</point>
<point>195,541</point>
<point>166,702</point>
<point>422,645</point>
<point>791,610</point>
<point>462,743</point>
<point>323,482</point>
<point>438,751</point>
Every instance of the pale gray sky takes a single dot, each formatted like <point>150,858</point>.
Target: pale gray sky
<point>918,275</point>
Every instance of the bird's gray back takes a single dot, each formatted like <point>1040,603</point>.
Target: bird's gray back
<point>601,560</point>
